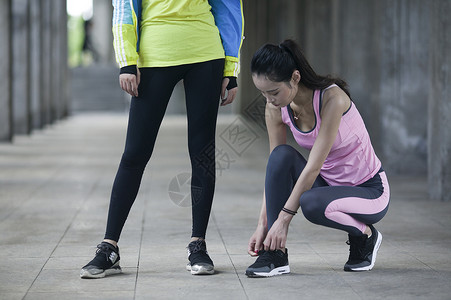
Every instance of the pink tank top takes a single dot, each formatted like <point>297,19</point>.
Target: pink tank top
<point>352,159</point>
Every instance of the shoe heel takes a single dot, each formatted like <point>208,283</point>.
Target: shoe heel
<point>376,249</point>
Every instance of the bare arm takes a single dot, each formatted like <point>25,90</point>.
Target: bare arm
<point>277,133</point>
<point>277,136</point>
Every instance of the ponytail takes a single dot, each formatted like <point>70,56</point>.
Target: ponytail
<point>279,62</point>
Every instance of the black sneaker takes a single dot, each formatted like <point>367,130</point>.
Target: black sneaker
<point>106,262</point>
<point>363,251</point>
<point>269,263</point>
<point>199,261</point>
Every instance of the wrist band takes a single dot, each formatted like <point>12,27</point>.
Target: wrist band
<point>232,82</point>
<point>288,211</point>
<point>129,70</point>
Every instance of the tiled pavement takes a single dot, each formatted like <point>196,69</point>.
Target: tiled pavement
<point>54,193</point>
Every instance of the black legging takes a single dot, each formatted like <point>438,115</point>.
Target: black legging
<point>347,208</point>
<point>202,82</point>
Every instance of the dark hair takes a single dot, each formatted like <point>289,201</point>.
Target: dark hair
<point>278,63</point>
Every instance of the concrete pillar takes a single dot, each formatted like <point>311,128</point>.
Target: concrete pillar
<point>102,36</point>
<point>58,60</point>
<point>265,22</point>
<point>46,59</point>
<point>439,135</point>
<point>33,71</point>
<point>21,63</point>
<point>35,64</point>
<point>55,67</point>
<point>6,124</point>
<point>354,56</point>
<point>253,37</point>
<point>63,62</point>
<point>317,41</point>
<point>404,85</point>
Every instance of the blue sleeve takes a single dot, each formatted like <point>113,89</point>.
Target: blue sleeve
<point>122,12</point>
<point>229,19</point>
<point>128,12</point>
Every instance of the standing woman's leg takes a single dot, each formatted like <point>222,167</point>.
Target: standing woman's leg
<point>202,88</point>
<point>145,116</point>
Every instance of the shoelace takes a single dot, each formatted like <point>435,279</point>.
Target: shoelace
<point>266,257</point>
<point>102,248</point>
<point>197,246</point>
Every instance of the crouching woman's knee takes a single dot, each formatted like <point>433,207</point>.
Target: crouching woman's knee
<point>281,157</point>
<point>311,208</point>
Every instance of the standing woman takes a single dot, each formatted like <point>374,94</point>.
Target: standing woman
<point>341,185</point>
<point>157,44</point>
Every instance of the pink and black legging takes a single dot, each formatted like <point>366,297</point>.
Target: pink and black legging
<point>347,208</point>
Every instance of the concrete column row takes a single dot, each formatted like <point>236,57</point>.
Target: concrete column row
<point>5,71</point>
<point>33,90</point>
<point>439,104</point>
<point>395,57</point>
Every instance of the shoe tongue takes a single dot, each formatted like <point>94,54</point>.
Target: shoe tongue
<point>266,256</point>
<point>197,246</point>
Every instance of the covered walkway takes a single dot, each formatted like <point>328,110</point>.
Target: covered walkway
<point>54,194</point>
<point>61,148</point>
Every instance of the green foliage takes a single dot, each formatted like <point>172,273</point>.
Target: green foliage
<point>76,36</point>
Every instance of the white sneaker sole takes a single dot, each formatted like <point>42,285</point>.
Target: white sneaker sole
<point>274,272</point>
<point>200,270</point>
<point>373,258</point>
<point>87,275</point>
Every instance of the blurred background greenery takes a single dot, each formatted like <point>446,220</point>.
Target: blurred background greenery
<point>79,12</point>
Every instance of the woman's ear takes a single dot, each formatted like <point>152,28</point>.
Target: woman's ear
<point>296,76</point>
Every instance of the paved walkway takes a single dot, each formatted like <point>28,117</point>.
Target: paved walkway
<point>54,190</point>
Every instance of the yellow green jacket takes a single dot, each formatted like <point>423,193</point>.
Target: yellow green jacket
<point>160,33</point>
